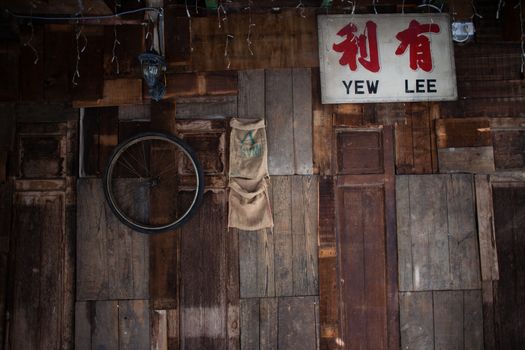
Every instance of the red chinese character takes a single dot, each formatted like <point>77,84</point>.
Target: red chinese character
<point>420,55</point>
<point>364,46</point>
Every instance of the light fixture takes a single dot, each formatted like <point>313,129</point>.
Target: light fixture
<point>436,5</point>
<point>153,68</point>
<point>463,31</point>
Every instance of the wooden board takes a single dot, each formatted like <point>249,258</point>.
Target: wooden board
<point>279,122</point>
<point>41,280</point>
<point>57,77</point>
<point>437,235</point>
<point>31,84</point>
<point>509,149</point>
<point>251,100</point>
<point>322,129</point>
<point>209,107</point>
<point>508,290</point>
<point>441,320</point>
<point>466,159</point>
<point>298,323</point>
<point>283,262</point>
<point>281,40</point>
<point>112,324</point>
<point>366,248</point>
<point>204,276</point>
<point>302,121</point>
<point>415,140</point>
<point>115,92</point>
<point>469,132</point>
<point>112,260</point>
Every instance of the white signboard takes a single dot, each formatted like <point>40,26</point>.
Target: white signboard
<point>386,58</point>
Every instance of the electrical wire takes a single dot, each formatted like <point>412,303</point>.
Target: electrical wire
<point>84,18</point>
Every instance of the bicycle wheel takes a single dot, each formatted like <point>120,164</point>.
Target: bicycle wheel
<point>153,182</point>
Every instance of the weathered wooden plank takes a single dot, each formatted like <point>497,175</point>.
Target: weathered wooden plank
<point>279,121</point>
<point>250,332</point>
<point>134,113</point>
<point>416,320</point>
<point>281,199</point>
<point>178,45</point>
<point>487,61</point>
<point>90,82</point>
<point>404,237</point>
<point>111,258</point>
<point>302,120</point>
<point>104,324</point>
<point>204,276</point>
<point>206,107</point>
<point>322,129</point>
<point>486,235</point>
<point>462,233</point>
<point>82,325</point>
<point>233,290</point>
<point>298,323</point>
<point>492,107</point>
<point>159,330</point>
<point>466,159</point>
<point>38,288</point>
<point>304,235</point>
<point>256,263</point>
<point>131,43</point>
<point>134,324</point>
<point>509,147</point>
<point>472,319</point>
<point>469,132</point>
<point>115,92</point>
<point>489,337</point>
<point>448,319</point>
<point>251,94</point>
<point>268,326</point>
<point>359,152</point>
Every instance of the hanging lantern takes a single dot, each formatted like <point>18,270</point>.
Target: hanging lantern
<point>153,68</point>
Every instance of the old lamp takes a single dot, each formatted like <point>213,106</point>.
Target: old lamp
<point>153,68</point>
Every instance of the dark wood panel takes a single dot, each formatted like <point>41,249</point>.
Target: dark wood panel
<point>298,323</point>
<point>322,129</point>
<point>112,260</point>
<point>9,69</point>
<point>509,149</point>
<point>416,320</point>
<point>90,79</point>
<point>359,152</point>
<point>509,289</point>
<point>463,133</point>
<point>41,277</point>
<point>57,67</point>
<point>204,276</point>
<point>31,77</point>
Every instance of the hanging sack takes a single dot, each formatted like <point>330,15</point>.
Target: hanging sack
<point>248,149</point>
<point>249,204</point>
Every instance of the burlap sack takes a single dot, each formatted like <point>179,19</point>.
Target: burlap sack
<point>248,149</point>
<point>249,204</point>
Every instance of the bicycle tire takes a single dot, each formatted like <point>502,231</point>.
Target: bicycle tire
<point>111,171</point>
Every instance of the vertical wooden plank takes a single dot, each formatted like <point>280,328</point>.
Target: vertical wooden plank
<point>25,325</point>
<point>159,330</point>
<point>322,129</point>
<point>486,235</point>
<point>251,100</point>
<point>92,259</point>
<point>416,319</point>
<point>83,316</point>
<point>104,325</point>
<point>302,120</point>
<point>489,336</point>
<point>448,320</point>
<point>304,226</point>
<point>297,323</point>
<point>233,290</point>
<point>134,325</point>
<point>279,121</point>
<point>281,207</point>
<point>404,238</point>
<point>204,276</point>
<point>268,323</point>
<point>462,242</point>
<point>250,324</point>
<point>429,232</point>
<point>473,319</point>
<point>256,263</point>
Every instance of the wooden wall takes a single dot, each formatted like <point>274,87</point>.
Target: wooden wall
<point>448,168</point>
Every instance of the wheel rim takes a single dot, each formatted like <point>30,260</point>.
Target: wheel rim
<point>150,168</point>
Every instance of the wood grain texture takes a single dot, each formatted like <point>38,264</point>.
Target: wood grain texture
<point>437,235</point>
<point>298,323</point>
<point>256,263</point>
<point>486,233</point>
<point>112,260</point>
<point>466,159</point>
<point>251,100</point>
<point>134,324</point>
<point>448,320</point>
<point>206,107</point>
<point>279,122</point>
<point>465,132</point>
<point>302,121</point>
<point>41,278</point>
<point>204,278</point>
<point>322,129</point>
<point>509,149</point>
<point>416,320</point>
